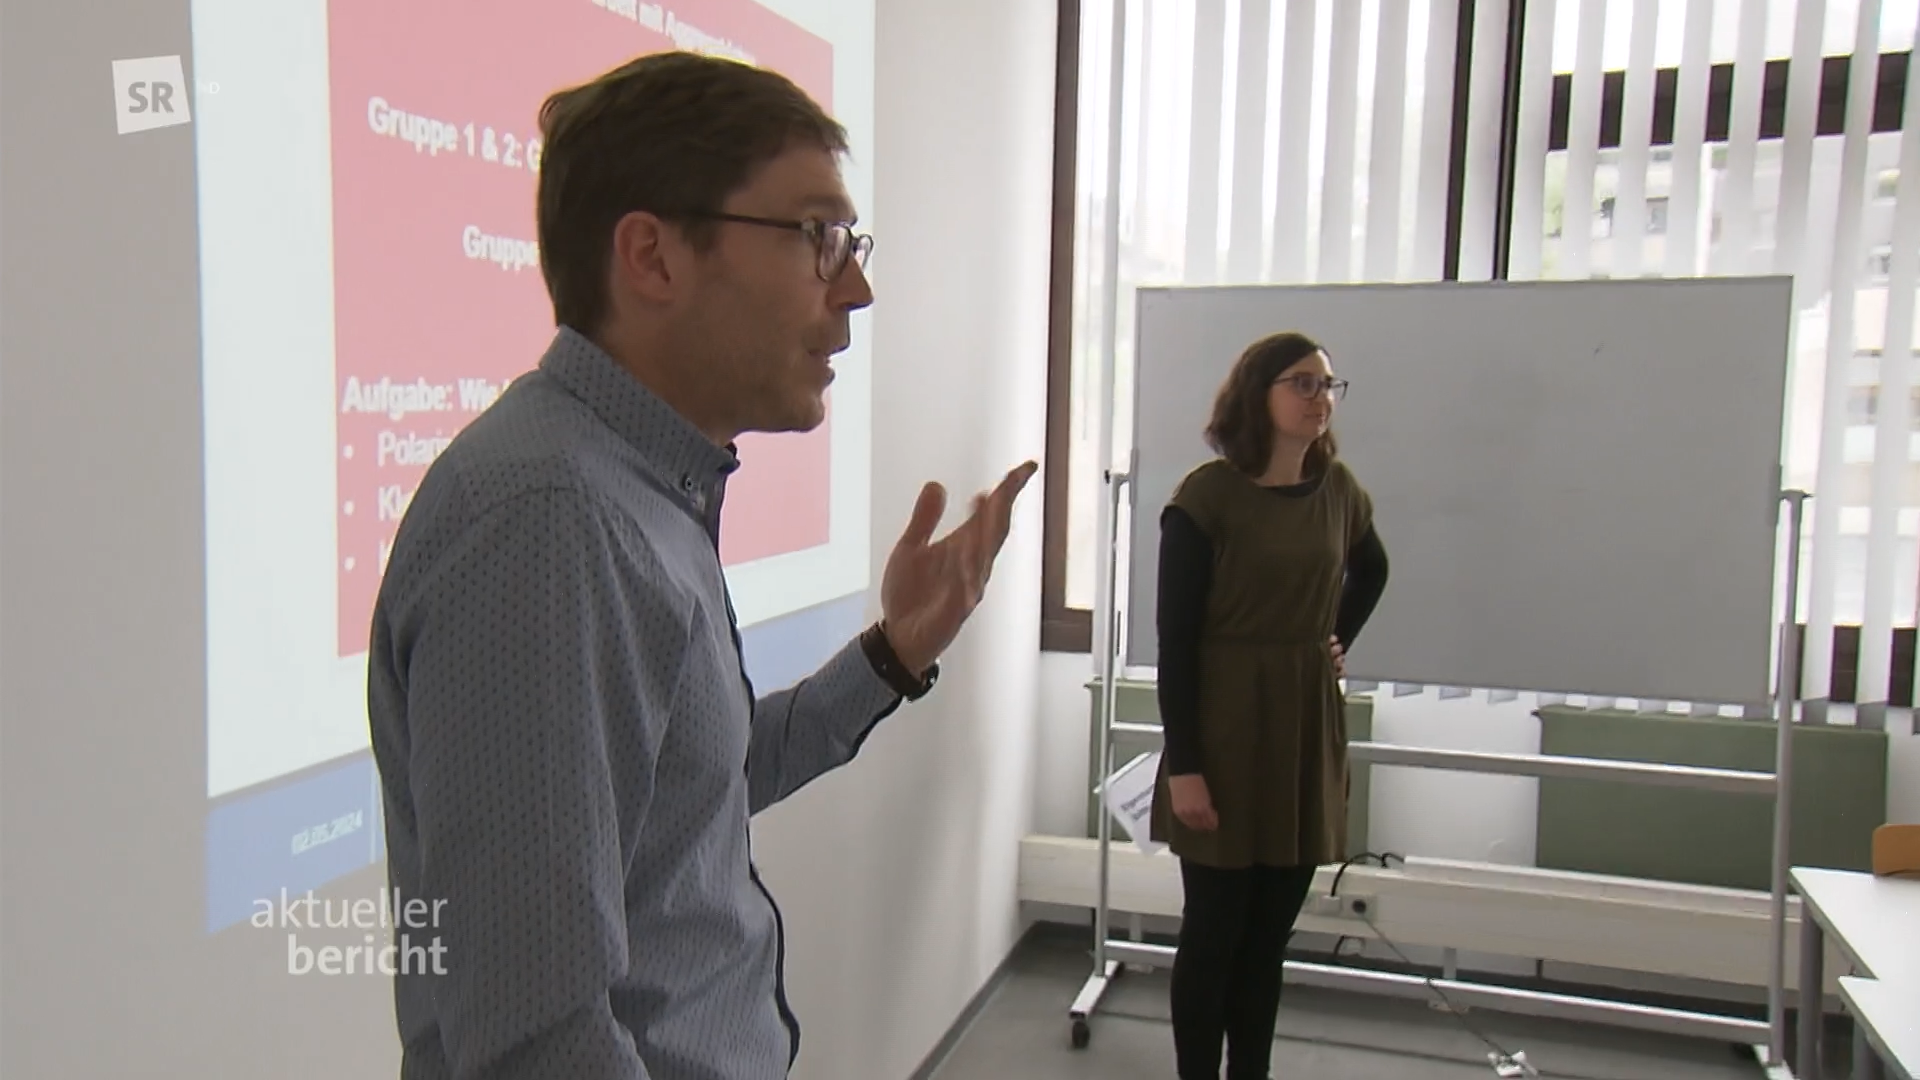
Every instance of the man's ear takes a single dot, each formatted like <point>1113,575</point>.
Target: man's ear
<point>647,255</point>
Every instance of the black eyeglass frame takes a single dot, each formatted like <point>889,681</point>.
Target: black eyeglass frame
<point>859,246</point>
<point>1334,388</point>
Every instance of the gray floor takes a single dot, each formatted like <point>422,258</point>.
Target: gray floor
<point>1022,1031</point>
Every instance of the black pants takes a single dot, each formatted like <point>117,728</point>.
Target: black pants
<point>1226,973</point>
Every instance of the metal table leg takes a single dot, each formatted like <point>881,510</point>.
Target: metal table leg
<point>1866,1061</point>
<point>1812,996</point>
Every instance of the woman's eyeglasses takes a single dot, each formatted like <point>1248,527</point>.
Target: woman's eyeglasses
<point>1312,386</point>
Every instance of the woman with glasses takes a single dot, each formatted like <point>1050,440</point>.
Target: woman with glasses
<point>1269,567</point>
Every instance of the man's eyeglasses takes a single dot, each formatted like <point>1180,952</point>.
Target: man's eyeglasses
<point>1312,386</point>
<point>834,241</point>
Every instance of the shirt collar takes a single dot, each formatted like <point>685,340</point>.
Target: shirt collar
<point>671,445</point>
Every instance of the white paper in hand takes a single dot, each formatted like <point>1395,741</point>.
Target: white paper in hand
<point>1128,796</point>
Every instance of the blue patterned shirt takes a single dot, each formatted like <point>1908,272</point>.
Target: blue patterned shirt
<point>570,750</point>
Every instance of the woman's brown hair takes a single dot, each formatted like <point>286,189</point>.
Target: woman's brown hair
<point>1241,429</point>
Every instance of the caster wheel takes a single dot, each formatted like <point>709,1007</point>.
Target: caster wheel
<point>1082,1035</point>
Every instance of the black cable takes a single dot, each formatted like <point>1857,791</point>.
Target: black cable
<point>1342,872</point>
<point>1382,860</point>
<point>1546,1074</point>
<point>1371,1047</point>
<point>1501,1055</point>
<point>1421,1055</point>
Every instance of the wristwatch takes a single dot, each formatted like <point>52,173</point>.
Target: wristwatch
<point>887,664</point>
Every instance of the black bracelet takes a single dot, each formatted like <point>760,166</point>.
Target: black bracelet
<point>887,664</point>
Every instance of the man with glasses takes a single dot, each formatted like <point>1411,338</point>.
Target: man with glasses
<point>568,746</point>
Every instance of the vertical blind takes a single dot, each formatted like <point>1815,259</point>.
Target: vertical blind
<point>1261,141</point>
<point>1282,141</point>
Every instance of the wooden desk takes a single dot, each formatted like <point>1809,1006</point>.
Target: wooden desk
<point>1876,924</point>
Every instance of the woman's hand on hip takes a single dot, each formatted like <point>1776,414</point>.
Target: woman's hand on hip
<point>1339,657</point>
<point>1192,804</point>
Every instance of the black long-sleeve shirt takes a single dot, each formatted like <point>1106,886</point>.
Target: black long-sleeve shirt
<point>1186,575</point>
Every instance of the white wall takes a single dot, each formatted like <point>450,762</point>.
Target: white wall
<point>1062,782</point>
<point>898,874</point>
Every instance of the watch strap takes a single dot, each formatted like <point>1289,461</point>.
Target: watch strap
<point>887,664</point>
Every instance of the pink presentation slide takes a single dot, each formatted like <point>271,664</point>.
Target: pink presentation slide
<point>438,297</point>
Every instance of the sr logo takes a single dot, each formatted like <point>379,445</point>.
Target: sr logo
<point>148,93</point>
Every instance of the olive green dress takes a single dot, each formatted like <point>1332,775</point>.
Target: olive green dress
<point>1271,717</point>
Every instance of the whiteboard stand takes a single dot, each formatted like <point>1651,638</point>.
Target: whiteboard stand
<point>1766,1039</point>
<point>1773,1056</point>
<point>1106,639</point>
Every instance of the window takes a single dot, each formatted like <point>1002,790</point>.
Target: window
<point>1863,409</point>
<point>1657,214</point>
<point>1879,264</point>
<point>1357,99</point>
<point>1863,404</point>
<point>1722,139</point>
<point>1603,220</point>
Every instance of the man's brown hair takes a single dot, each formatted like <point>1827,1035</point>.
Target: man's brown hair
<point>1241,429</point>
<point>671,133</point>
